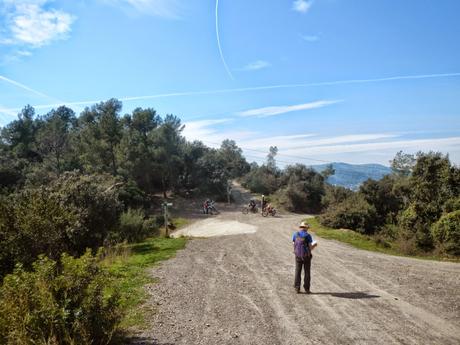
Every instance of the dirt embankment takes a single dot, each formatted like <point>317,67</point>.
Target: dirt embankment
<point>239,290</point>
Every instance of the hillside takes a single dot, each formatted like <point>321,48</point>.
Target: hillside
<point>352,175</point>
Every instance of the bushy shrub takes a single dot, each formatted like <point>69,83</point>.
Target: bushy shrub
<point>413,225</point>
<point>261,180</point>
<point>354,213</point>
<point>94,199</point>
<point>334,195</point>
<point>452,205</point>
<point>58,303</point>
<point>74,213</point>
<point>133,226</point>
<point>132,196</point>
<point>32,223</point>
<point>303,189</point>
<point>446,232</point>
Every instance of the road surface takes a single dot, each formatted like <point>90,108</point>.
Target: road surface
<point>238,289</point>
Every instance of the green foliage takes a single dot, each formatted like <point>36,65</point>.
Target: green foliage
<point>353,238</point>
<point>334,195</point>
<point>261,180</point>
<point>58,303</point>
<point>446,232</point>
<point>451,205</point>
<point>353,213</point>
<point>74,213</point>
<point>94,201</point>
<point>380,194</point>
<point>33,223</point>
<point>303,189</point>
<point>134,226</point>
<point>128,269</point>
<point>403,164</point>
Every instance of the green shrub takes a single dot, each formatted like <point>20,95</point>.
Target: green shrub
<point>32,223</point>
<point>415,225</point>
<point>446,232</point>
<point>354,213</point>
<point>58,303</point>
<point>133,226</point>
<point>452,205</point>
<point>94,199</point>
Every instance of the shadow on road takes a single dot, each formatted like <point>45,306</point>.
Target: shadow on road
<point>142,341</point>
<point>349,295</point>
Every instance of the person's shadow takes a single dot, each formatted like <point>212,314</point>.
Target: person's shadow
<point>348,295</point>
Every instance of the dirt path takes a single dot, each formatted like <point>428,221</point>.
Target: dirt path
<point>239,290</point>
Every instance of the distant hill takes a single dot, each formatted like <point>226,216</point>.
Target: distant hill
<point>352,175</point>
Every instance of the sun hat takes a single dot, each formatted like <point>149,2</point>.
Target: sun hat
<point>304,225</point>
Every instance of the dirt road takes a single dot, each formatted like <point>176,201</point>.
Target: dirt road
<point>238,289</point>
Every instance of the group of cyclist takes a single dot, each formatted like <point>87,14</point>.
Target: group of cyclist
<point>265,205</point>
<point>207,205</point>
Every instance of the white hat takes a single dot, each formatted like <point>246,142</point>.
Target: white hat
<point>304,225</point>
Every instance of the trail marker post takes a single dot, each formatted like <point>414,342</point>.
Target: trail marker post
<point>229,191</point>
<point>165,208</point>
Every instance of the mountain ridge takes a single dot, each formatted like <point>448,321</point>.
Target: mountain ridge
<point>353,175</point>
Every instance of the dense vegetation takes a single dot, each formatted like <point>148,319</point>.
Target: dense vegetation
<point>69,183</point>
<point>415,209</point>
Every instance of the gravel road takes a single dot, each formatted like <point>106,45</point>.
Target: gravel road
<point>238,289</point>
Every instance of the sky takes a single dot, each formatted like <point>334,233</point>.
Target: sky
<point>323,80</point>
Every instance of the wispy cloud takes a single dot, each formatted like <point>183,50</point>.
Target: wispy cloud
<point>441,144</point>
<point>170,9</point>
<point>221,54</point>
<point>358,148</point>
<point>308,140</point>
<point>310,38</point>
<point>206,131</point>
<point>25,87</point>
<point>254,88</point>
<point>31,23</point>
<point>277,110</point>
<point>256,65</point>
<point>301,6</point>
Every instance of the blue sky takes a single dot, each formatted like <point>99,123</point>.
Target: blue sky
<point>324,80</point>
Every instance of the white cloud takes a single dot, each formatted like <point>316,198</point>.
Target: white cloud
<point>301,6</point>
<point>354,148</point>
<point>441,144</point>
<point>161,8</point>
<point>277,110</point>
<point>256,65</point>
<point>31,23</point>
<point>310,38</point>
<point>205,131</point>
<point>303,141</point>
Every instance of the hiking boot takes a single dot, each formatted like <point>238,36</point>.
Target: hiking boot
<point>297,290</point>
<point>307,291</point>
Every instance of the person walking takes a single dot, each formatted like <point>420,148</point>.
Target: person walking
<point>303,246</point>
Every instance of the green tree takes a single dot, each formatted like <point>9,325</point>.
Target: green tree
<point>167,150</point>
<point>20,134</point>
<point>53,138</point>
<point>403,164</point>
<point>100,131</point>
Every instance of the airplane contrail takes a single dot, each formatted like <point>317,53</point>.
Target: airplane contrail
<point>253,88</point>
<point>218,42</point>
<point>25,87</point>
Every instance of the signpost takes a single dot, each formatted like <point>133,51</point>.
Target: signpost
<point>229,191</point>
<point>165,208</point>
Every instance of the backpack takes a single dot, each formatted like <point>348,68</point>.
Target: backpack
<point>300,247</point>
